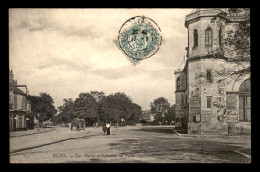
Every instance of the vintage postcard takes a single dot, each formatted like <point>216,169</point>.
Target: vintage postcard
<point>129,85</point>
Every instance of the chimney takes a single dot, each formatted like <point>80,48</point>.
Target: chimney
<point>11,76</point>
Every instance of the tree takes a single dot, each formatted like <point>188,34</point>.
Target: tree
<point>66,111</point>
<point>99,96</point>
<point>160,108</point>
<point>170,116</point>
<point>85,106</point>
<point>43,104</point>
<point>134,111</point>
<point>119,107</point>
<point>234,46</point>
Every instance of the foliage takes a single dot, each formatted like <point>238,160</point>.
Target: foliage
<point>160,108</point>
<point>119,107</point>
<point>86,107</point>
<point>170,116</point>
<point>66,111</point>
<point>235,44</point>
<point>43,104</point>
<point>95,107</point>
<point>143,121</point>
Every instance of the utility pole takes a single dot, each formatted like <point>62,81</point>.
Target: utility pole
<point>38,121</point>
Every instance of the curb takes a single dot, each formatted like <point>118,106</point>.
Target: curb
<point>46,144</point>
<point>211,136</point>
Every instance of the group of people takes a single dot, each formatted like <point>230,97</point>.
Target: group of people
<point>106,128</point>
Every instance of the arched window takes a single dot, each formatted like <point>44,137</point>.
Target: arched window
<point>195,38</point>
<point>219,36</point>
<point>245,101</point>
<point>208,37</point>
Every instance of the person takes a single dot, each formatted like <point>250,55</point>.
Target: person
<point>104,129</point>
<point>78,128</point>
<point>108,128</point>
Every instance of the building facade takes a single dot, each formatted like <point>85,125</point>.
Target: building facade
<point>148,116</point>
<point>206,106</point>
<point>20,117</point>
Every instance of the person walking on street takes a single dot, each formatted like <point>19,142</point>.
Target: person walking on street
<point>108,128</point>
<point>78,129</point>
<point>104,129</point>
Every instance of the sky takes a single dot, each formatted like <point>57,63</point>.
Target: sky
<point>64,52</point>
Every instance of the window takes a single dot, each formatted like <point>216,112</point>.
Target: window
<point>208,37</point>
<point>195,38</point>
<point>209,100</point>
<point>178,83</point>
<point>209,76</point>
<point>219,36</point>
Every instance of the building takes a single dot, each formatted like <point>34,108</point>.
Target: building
<point>148,116</point>
<point>205,106</point>
<point>20,117</point>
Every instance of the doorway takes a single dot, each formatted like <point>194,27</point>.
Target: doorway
<point>245,101</point>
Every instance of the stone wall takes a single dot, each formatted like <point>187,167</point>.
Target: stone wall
<point>201,26</point>
<point>194,128</point>
<point>240,128</point>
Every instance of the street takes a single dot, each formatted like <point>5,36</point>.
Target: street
<point>131,144</point>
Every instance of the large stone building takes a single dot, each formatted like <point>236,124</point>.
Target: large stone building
<point>205,106</point>
<point>20,117</point>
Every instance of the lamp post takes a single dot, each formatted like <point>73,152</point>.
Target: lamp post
<point>38,121</point>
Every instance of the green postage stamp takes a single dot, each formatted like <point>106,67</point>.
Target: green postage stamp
<point>139,38</point>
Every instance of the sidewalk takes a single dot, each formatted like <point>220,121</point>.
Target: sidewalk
<point>29,132</point>
<point>18,144</point>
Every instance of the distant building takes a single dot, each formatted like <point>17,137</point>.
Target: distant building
<point>19,106</point>
<point>148,116</point>
<point>209,107</point>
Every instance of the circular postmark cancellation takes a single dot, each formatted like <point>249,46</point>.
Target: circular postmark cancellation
<point>139,38</point>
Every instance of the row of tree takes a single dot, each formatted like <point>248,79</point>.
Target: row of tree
<point>97,108</point>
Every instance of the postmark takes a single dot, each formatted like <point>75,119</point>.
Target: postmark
<point>139,38</point>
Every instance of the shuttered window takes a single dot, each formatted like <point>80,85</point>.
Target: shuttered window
<point>195,38</point>
<point>209,100</point>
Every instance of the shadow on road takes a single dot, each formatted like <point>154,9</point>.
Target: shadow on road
<point>165,130</point>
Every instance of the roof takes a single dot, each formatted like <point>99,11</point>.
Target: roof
<point>201,12</point>
<point>201,9</point>
<point>16,90</point>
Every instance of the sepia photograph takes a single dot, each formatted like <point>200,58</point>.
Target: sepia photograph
<point>129,85</point>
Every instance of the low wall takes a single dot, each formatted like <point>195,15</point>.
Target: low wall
<point>194,128</point>
<point>240,128</point>
<point>222,128</point>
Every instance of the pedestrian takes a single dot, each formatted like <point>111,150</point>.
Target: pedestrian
<point>78,128</point>
<point>104,129</point>
<point>108,128</point>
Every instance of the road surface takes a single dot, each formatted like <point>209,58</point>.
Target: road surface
<point>147,144</point>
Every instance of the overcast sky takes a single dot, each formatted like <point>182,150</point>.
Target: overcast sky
<point>68,51</point>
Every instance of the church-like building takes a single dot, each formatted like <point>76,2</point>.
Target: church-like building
<point>205,106</point>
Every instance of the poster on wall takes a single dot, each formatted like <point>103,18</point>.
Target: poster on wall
<point>194,110</point>
<point>194,102</point>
